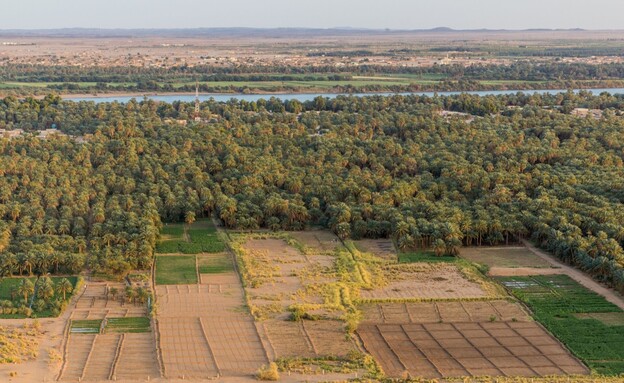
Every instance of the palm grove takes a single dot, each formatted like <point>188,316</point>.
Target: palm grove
<point>522,167</point>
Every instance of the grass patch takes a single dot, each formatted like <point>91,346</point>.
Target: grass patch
<point>173,231</point>
<point>175,270</point>
<point>128,325</point>
<point>200,237</point>
<point>424,256</point>
<point>556,301</point>
<point>86,326</point>
<point>214,264</point>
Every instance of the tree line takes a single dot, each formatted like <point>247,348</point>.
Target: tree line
<point>516,166</point>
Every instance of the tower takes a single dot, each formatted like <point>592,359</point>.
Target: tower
<point>196,115</point>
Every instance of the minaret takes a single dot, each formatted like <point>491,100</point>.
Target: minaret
<point>197,118</point>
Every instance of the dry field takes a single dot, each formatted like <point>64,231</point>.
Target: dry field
<point>317,241</point>
<point>435,350</point>
<point>424,281</point>
<point>107,356</point>
<point>443,312</point>
<point>383,248</point>
<point>295,279</point>
<point>275,277</point>
<point>452,339</point>
<point>205,331</point>
<point>306,339</point>
<point>509,260</point>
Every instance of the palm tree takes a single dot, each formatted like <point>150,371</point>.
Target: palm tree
<point>130,293</point>
<point>64,287</point>
<point>142,294</point>
<point>45,290</point>
<point>114,291</point>
<point>439,247</point>
<point>26,288</point>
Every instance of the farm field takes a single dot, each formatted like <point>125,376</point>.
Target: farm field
<point>204,329</point>
<point>509,260</point>
<point>176,269</point>
<point>418,281</point>
<point>383,248</point>
<point>108,338</point>
<point>199,237</point>
<point>591,327</point>
<point>294,293</point>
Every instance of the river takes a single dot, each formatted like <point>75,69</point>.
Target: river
<point>311,96</point>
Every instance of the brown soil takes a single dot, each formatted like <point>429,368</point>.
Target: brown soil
<point>504,257</point>
<point>447,312</point>
<point>425,281</point>
<point>383,248</point>
<point>308,339</point>
<point>317,241</point>
<point>436,350</point>
<point>98,357</point>
<point>205,330</point>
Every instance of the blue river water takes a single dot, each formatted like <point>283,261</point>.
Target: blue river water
<point>311,96</point>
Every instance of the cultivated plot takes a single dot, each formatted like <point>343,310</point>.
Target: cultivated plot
<point>435,350</point>
<point>508,260</point>
<point>443,312</point>
<point>108,338</point>
<point>424,281</point>
<point>204,329</point>
<point>584,321</point>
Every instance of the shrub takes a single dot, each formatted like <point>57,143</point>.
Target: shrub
<point>269,372</point>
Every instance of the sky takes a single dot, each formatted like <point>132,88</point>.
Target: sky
<point>378,14</point>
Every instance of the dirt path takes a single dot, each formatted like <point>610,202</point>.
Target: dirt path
<point>579,276</point>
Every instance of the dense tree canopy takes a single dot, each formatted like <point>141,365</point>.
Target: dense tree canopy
<point>520,166</point>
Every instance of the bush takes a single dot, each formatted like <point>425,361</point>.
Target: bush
<point>269,372</point>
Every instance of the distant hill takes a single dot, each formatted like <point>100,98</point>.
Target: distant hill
<point>243,32</point>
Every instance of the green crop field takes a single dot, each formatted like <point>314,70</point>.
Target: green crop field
<point>86,326</point>
<point>559,303</point>
<point>424,256</point>
<point>175,270</point>
<point>128,325</point>
<point>214,264</point>
<point>199,237</point>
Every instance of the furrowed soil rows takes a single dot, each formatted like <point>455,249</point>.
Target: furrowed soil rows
<point>205,331</point>
<point>308,339</point>
<point>434,350</point>
<point>435,312</point>
<point>91,355</point>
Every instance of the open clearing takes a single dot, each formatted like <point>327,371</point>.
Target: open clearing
<point>383,248</point>
<point>452,339</point>
<point>317,241</point>
<point>504,257</point>
<point>123,349</point>
<point>425,281</point>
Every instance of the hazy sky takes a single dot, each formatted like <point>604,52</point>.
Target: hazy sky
<point>394,14</point>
